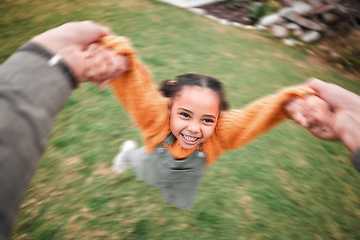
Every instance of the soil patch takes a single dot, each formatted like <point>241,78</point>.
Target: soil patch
<point>238,14</point>
<point>345,59</point>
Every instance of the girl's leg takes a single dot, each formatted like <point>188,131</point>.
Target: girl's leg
<point>121,163</point>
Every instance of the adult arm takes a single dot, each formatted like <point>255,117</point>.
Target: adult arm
<point>34,84</point>
<point>31,94</point>
<point>345,122</point>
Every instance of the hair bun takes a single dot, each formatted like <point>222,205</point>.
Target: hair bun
<point>167,87</point>
<point>171,82</point>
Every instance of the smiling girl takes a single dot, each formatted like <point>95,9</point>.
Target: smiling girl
<point>185,125</point>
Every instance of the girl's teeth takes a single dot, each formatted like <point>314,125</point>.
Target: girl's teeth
<point>188,138</point>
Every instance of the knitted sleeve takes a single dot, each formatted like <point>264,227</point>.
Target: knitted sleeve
<point>237,127</point>
<point>136,92</point>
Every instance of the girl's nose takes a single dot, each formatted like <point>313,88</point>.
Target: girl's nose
<point>194,127</point>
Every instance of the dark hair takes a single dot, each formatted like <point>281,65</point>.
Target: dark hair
<point>170,88</point>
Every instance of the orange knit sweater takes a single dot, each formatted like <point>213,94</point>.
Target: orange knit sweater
<point>149,110</point>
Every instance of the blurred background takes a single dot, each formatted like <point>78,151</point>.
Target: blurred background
<point>286,184</point>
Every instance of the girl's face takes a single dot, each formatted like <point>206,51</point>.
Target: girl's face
<point>193,115</point>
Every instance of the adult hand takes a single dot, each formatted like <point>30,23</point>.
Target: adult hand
<point>72,41</point>
<point>345,106</point>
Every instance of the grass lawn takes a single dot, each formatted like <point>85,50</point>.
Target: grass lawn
<point>285,184</point>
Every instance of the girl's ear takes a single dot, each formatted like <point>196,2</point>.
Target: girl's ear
<point>169,105</point>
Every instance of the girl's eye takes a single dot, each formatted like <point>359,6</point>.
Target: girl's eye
<point>208,120</point>
<point>185,115</point>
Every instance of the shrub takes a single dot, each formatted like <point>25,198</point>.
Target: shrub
<point>258,10</point>
<point>350,59</point>
<point>233,3</point>
<point>273,5</point>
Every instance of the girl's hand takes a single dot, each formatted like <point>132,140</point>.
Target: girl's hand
<point>314,114</point>
<point>102,65</point>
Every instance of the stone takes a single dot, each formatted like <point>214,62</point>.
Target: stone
<point>236,24</point>
<point>329,17</point>
<point>302,8</point>
<point>292,26</point>
<point>261,27</point>
<point>198,11</point>
<point>288,42</point>
<point>311,36</point>
<point>278,31</point>
<point>315,3</point>
<point>284,11</point>
<point>223,21</point>
<point>246,19</point>
<point>248,27</point>
<point>188,3</point>
<point>335,54</point>
<point>295,17</point>
<point>212,17</point>
<point>323,8</point>
<point>298,32</point>
<point>289,2</point>
<point>270,20</point>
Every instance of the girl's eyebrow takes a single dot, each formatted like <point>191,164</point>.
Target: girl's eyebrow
<point>188,111</point>
<point>210,116</point>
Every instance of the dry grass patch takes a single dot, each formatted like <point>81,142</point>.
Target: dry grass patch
<point>103,170</point>
<point>135,4</point>
<point>252,35</point>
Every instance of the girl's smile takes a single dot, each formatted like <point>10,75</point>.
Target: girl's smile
<point>193,115</point>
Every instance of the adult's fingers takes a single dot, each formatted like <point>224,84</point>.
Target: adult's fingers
<point>79,34</point>
<point>88,32</point>
<point>335,96</point>
<point>104,83</point>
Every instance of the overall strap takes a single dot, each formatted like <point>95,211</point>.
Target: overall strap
<point>168,141</point>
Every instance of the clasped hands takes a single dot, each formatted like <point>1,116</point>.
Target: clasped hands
<point>332,114</point>
<point>76,43</point>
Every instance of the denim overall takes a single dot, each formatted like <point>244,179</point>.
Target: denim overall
<point>177,179</point>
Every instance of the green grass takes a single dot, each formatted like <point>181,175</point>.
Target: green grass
<point>285,184</point>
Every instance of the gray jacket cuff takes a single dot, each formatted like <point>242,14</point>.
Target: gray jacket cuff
<point>47,55</point>
<point>356,160</point>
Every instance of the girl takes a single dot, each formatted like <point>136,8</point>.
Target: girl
<point>186,128</point>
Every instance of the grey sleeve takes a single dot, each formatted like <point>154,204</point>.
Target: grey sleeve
<point>356,160</point>
<point>31,94</point>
